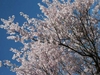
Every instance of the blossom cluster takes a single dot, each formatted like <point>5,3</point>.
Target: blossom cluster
<point>55,44</point>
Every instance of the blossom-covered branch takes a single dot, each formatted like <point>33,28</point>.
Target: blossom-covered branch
<point>65,42</point>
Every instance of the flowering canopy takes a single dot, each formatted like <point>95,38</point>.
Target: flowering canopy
<point>64,42</point>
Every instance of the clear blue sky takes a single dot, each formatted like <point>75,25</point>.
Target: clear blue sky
<point>9,8</point>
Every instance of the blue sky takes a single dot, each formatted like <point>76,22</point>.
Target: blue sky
<point>9,8</point>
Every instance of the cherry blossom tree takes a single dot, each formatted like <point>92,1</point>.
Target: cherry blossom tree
<point>64,42</point>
